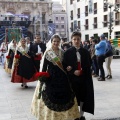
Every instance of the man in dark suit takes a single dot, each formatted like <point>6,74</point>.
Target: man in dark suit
<point>37,49</point>
<point>77,63</point>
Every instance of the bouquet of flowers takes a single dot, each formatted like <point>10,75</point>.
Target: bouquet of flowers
<point>17,56</point>
<point>42,77</point>
<point>8,57</point>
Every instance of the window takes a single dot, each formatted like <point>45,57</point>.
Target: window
<point>105,6</point>
<point>117,3</point>
<point>62,18</point>
<point>106,34</point>
<point>78,24</point>
<point>71,27</point>
<point>105,21</point>
<point>117,34</point>
<point>62,26</point>
<point>56,18</point>
<point>78,12</point>
<point>71,15</point>
<point>57,26</point>
<point>87,37</point>
<point>95,8</point>
<point>71,1</point>
<point>117,18</point>
<point>86,10</point>
<point>78,0</point>
<point>95,36</point>
<point>86,24</point>
<point>95,22</point>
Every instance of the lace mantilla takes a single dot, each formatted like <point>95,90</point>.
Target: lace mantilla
<point>57,107</point>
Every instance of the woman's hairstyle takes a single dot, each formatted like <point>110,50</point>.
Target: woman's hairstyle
<point>76,33</point>
<point>55,36</point>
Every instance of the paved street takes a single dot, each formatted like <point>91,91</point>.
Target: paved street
<point>15,101</point>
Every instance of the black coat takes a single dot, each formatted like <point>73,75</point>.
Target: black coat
<point>34,48</point>
<point>82,85</point>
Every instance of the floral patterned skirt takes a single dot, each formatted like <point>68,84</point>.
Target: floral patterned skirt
<point>42,112</point>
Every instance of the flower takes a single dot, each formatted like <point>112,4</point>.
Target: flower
<point>8,57</point>
<point>17,56</point>
<point>42,77</point>
<point>42,74</point>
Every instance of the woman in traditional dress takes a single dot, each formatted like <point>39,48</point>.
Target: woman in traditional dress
<point>23,66</point>
<point>10,56</point>
<point>57,101</point>
<point>3,50</point>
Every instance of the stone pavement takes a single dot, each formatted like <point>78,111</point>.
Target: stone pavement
<point>15,101</point>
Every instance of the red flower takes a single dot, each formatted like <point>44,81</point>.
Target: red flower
<point>42,74</point>
<point>17,56</point>
<point>8,57</point>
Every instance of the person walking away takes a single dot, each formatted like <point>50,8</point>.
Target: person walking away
<point>108,59</point>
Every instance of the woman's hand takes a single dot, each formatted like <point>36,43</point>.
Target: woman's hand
<point>69,68</point>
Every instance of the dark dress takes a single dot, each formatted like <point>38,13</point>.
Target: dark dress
<point>11,54</point>
<point>25,70</point>
<point>58,95</point>
<point>83,84</point>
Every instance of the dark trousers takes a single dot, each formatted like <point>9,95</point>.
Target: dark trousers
<point>95,66</point>
<point>100,61</point>
<point>37,65</point>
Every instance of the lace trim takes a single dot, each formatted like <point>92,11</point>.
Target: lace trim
<point>57,107</point>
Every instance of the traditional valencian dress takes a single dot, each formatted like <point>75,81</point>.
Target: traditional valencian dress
<point>23,66</point>
<point>57,101</point>
<point>9,61</point>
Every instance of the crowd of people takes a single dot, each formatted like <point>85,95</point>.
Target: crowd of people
<point>70,66</point>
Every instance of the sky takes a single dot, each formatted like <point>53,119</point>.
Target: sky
<point>57,0</point>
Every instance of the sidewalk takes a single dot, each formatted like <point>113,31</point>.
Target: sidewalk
<point>15,101</point>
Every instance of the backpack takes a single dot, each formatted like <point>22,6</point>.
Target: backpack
<point>109,50</point>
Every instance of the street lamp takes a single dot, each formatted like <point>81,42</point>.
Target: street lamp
<point>111,19</point>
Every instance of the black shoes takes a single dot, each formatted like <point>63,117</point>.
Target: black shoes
<point>81,118</point>
<point>23,85</point>
<point>101,79</point>
<point>109,77</point>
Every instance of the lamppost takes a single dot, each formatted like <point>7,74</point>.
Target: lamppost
<point>111,19</point>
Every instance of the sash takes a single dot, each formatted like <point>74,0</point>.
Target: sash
<point>24,53</point>
<point>55,59</point>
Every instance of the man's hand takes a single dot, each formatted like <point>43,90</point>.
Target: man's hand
<point>77,72</point>
<point>69,68</point>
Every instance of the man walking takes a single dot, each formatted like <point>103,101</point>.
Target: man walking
<point>77,62</point>
<point>37,49</point>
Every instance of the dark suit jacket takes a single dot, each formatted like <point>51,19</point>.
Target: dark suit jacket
<point>70,59</point>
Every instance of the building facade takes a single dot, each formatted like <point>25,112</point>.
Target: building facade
<point>33,14</point>
<point>59,19</point>
<point>92,17</point>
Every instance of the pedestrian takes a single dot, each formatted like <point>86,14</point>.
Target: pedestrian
<point>100,50</point>
<point>23,69</point>
<point>3,50</point>
<point>37,49</point>
<point>77,62</point>
<point>108,59</point>
<point>94,59</point>
<point>57,101</point>
<point>10,56</point>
